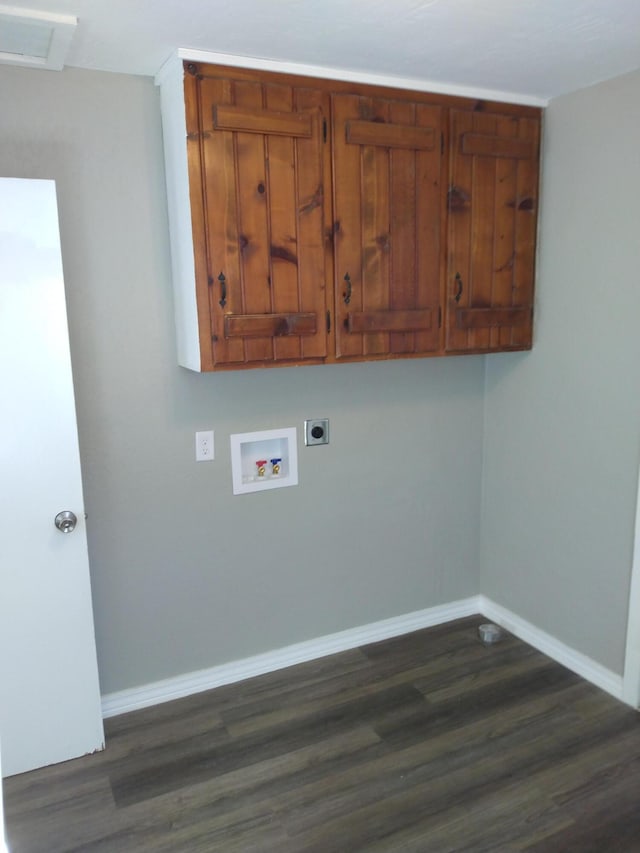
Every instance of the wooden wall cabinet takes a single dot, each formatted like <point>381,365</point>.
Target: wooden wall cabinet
<point>317,221</point>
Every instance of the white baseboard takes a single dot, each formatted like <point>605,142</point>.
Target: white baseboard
<point>548,645</point>
<point>227,673</point>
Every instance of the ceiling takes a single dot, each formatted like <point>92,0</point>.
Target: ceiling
<point>532,50</point>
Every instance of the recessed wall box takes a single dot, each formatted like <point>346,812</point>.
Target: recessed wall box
<point>264,460</point>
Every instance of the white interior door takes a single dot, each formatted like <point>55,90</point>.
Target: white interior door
<point>49,691</point>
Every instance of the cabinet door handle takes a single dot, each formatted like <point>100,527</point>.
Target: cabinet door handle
<point>458,292</point>
<point>347,293</point>
<point>223,290</point>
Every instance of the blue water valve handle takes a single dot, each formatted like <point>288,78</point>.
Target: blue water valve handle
<point>275,466</point>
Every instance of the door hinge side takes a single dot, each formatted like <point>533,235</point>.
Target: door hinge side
<point>324,130</point>
<point>328,321</point>
<point>439,316</point>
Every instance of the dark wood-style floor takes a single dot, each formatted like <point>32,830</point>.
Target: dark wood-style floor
<point>427,742</point>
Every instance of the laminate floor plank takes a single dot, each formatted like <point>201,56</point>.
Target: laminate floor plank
<point>615,831</point>
<point>289,680</point>
<point>148,732</point>
<point>525,812</point>
<point>451,714</point>
<point>370,810</point>
<point>140,782</point>
<point>262,785</point>
<point>491,822</point>
<point>433,763</point>
<point>270,715</point>
<point>481,672</point>
<point>426,743</point>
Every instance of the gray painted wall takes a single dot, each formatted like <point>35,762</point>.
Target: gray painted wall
<point>562,424</point>
<point>185,576</point>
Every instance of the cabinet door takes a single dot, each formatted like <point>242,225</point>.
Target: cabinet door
<point>493,203</point>
<point>387,226</point>
<point>260,155</point>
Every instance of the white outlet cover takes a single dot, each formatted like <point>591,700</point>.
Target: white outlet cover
<point>204,446</point>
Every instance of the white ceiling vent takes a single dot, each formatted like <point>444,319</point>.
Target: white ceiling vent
<point>36,39</point>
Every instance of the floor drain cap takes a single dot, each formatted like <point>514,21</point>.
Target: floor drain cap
<point>489,633</point>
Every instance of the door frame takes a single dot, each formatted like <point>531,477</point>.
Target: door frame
<point>631,676</point>
<point>3,838</point>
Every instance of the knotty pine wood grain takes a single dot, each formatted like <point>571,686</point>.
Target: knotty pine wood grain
<point>427,742</point>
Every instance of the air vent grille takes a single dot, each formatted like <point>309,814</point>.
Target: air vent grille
<point>35,39</point>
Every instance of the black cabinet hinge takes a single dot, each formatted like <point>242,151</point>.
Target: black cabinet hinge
<point>324,130</point>
<point>442,143</point>
<point>439,316</point>
<point>328,321</point>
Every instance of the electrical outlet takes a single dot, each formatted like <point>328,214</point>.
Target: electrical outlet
<point>316,432</point>
<point>204,446</point>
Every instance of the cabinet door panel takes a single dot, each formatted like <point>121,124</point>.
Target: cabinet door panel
<point>374,201</point>
<point>403,136</point>
<point>263,181</point>
<point>220,228</point>
<point>402,290</point>
<point>390,321</point>
<point>281,177</point>
<point>387,195</point>
<point>492,221</point>
<point>273,325</point>
<point>268,122</point>
<point>526,223</point>
<point>253,220</point>
<point>310,211</point>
